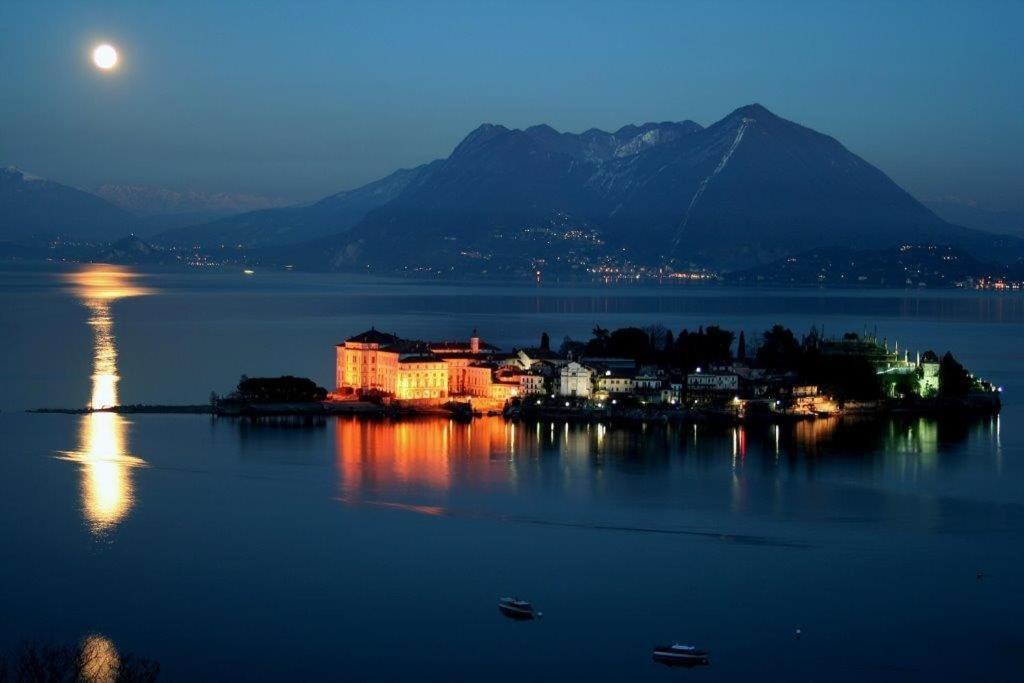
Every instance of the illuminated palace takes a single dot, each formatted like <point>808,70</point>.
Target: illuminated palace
<point>376,363</point>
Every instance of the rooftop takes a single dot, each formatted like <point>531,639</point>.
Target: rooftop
<point>374,336</point>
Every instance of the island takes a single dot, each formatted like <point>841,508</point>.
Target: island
<point>627,374</point>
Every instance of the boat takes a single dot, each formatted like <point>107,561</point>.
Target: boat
<point>680,655</point>
<point>514,608</point>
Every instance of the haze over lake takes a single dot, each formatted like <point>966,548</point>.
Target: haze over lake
<point>377,549</point>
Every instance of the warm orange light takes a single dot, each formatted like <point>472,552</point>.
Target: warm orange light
<point>100,661</point>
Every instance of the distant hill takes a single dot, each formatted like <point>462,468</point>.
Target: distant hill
<point>748,189</point>
<point>34,209</point>
<point>971,215</point>
<point>147,200</point>
<point>160,209</point>
<point>906,266</point>
<point>133,251</point>
<point>288,225</point>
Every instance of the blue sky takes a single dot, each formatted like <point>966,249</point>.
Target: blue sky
<point>301,99</point>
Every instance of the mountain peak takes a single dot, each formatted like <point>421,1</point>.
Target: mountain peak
<point>15,171</point>
<point>753,111</point>
<point>542,129</point>
<point>480,136</point>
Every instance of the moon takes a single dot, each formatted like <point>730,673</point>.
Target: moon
<point>105,56</point>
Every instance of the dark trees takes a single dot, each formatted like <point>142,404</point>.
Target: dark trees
<point>285,389</point>
<point>779,349</point>
<point>954,381</point>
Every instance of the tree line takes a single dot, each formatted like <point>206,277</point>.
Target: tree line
<point>777,349</point>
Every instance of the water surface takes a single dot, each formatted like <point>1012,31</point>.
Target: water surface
<point>376,550</point>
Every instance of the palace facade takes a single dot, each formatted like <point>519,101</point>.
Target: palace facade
<point>383,364</point>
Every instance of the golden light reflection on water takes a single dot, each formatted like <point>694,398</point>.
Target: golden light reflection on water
<point>102,453</point>
<point>107,487</point>
<point>101,662</point>
<point>98,286</point>
<point>378,455</point>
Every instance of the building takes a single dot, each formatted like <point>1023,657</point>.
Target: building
<point>575,380</point>
<point>707,384</point>
<point>612,382</point>
<point>531,384</point>
<point>367,362</point>
<point>377,363</point>
<point>421,376</point>
<point>928,384</point>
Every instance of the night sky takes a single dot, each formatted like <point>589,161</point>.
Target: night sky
<point>298,100</point>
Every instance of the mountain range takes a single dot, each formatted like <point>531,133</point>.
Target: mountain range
<point>972,215</point>
<point>746,190</point>
<point>160,209</point>
<point>34,209</point>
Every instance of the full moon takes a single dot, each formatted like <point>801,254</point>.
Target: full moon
<point>105,57</point>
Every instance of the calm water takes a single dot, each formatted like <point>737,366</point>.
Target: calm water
<point>371,550</point>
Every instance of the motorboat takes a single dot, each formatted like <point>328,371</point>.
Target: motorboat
<point>680,655</point>
<point>514,608</point>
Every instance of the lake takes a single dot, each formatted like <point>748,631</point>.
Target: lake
<point>374,550</point>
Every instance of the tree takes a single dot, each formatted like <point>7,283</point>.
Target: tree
<point>630,342</point>
<point>718,345</point>
<point>598,344</point>
<point>657,334</point>
<point>846,377</point>
<point>571,349</point>
<point>287,389</point>
<point>954,381</point>
<point>702,348</point>
<point>668,352</point>
<point>741,347</point>
<point>545,342</point>
<point>94,659</point>
<point>779,349</point>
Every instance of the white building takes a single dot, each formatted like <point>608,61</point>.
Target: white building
<point>712,383</point>
<point>575,380</point>
<point>531,384</point>
<point>609,382</point>
<point>648,381</point>
<point>929,383</point>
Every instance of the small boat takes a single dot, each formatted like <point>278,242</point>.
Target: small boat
<point>514,608</point>
<point>248,271</point>
<point>680,655</point>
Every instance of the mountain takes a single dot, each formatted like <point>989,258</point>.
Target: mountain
<point>133,251</point>
<point>146,200</point>
<point>748,189</point>
<point>160,209</point>
<point>35,209</point>
<point>288,225</point>
<point>972,215</point>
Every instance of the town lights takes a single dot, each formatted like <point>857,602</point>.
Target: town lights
<point>566,404</point>
<point>698,370</point>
